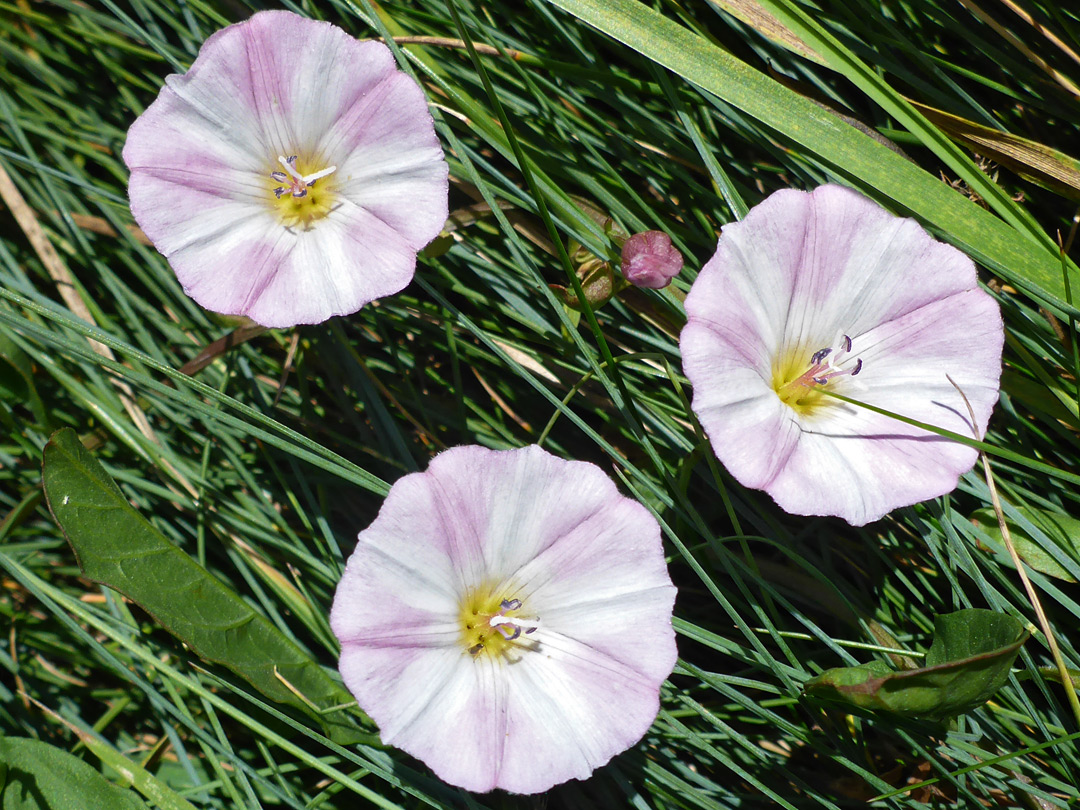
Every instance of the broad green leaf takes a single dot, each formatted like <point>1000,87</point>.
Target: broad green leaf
<point>1061,529</point>
<point>17,379</point>
<point>118,547</point>
<point>1015,253</point>
<point>43,777</point>
<point>967,663</point>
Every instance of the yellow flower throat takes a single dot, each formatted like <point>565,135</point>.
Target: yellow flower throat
<point>301,199</point>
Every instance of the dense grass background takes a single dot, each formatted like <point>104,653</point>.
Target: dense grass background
<point>263,464</point>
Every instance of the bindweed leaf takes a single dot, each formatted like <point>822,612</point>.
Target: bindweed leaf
<point>1060,529</point>
<point>118,547</point>
<point>42,777</point>
<point>967,663</point>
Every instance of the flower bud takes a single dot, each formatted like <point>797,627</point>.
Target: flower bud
<point>650,260</point>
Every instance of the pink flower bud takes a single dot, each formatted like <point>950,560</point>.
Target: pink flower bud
<point>650,260</point>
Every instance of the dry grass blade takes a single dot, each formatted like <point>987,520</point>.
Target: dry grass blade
<point>1030,159</point>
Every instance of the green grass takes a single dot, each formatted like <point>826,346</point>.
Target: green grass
<point>668,117</point>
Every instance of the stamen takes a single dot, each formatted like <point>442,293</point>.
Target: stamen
<point>491,625</point>
<point>500,622</point>
<point>289,164</point>
<point>509,634</point>
<point>826,364</point>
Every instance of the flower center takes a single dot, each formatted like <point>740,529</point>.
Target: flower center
<point>492,624</point>
<point>800,385</point>
<point>296,198</point>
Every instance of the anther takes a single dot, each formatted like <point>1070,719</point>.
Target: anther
<point>510,604</point>
<point>858,367</point>
<point>847,343</point>
<point>820,355</point>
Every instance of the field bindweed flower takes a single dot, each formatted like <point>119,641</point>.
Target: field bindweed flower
<point>507,619</point>
<point>828,292</point>
<point>291,174</point>
<point>650,260</point>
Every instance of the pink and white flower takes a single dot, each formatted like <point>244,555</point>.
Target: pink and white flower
<point>291,174</point>
<point>828,292</point>
<point>507,619</point>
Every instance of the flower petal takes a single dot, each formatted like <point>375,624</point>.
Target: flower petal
<point>751,430</point>
<point>393,165</point>
<point>570,709</point>
<point>315,73</point>
<point>863,266</point>
<point>440,705</point>
<point>525,501</point>
<point>281,277</point>
<point>744,288</point>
